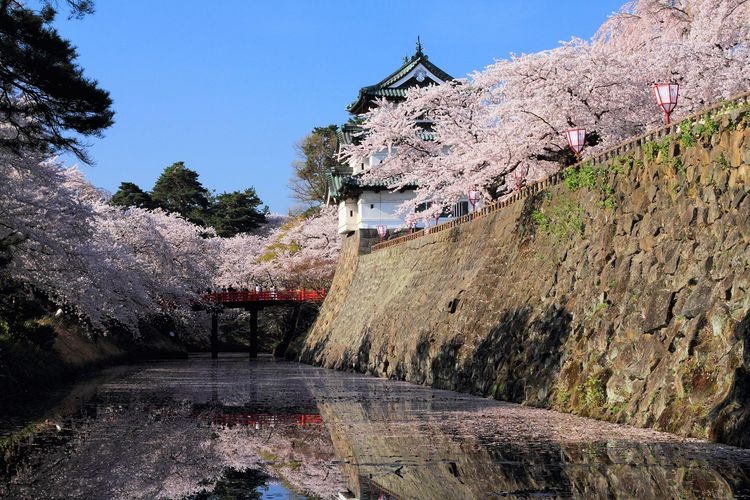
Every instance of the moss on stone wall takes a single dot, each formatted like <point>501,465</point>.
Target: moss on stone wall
<point>620,294</point>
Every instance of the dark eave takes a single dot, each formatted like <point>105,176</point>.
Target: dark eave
<point>342,185</point>
<point>349,134</point>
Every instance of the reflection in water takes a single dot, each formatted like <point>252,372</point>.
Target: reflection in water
<point>203,428</point>
<point>239,484</point>
<point>411,442</point>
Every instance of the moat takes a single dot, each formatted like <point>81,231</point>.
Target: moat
<point>233,428</point>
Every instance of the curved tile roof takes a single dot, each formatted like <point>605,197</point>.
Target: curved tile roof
<point>385,88</point>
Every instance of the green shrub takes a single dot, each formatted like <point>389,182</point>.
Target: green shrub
<point>594,392</point>
<point>707,127</point>
<point>676,164</point>
<point>650,150</point>
<point>594,179</point>
<point>563,220</point>
<point>723,161</point>
<point>686,133</point>
<point>622,165</point>
<point>583,177</point>
<point>540,220</point>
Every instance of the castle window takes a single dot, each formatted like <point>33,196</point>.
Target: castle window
<point>459,209</point>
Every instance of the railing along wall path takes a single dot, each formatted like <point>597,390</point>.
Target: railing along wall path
<point>557,177</point>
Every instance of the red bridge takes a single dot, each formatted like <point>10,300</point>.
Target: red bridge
<point>253,301</point>
<point>269,297</point>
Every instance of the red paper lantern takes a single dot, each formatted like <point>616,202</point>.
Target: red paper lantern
<point>576,139</point>
<point>474,197</point>
<point>382,230</point>
<point>666,97</point>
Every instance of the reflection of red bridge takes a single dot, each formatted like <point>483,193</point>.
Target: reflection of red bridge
<point>260,420</point>
<point>240,298</point>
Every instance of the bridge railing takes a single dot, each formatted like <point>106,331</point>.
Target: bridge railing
<point>300,295</point>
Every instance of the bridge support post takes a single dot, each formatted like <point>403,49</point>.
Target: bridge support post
<point>254,332</point>
<point>214,335</point>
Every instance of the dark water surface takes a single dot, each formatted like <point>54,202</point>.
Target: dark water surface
<point>231,428</point>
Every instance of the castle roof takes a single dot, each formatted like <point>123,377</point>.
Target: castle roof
<point>417,71</point>
<point>342,184</point>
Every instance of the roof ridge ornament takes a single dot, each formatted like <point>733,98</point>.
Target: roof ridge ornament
<point>419,52</point>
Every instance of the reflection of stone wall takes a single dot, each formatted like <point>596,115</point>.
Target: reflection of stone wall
<point>382,450</point>
<point>626,300</point>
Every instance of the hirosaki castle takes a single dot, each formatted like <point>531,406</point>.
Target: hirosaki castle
<point>363,206</point>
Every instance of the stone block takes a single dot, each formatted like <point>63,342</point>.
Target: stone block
<point>671,257</point>
<point>658,309</point>
<point>699,301</point>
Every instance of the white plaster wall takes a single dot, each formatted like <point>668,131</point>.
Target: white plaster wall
<point>348,216</point>
<point>380,208</point>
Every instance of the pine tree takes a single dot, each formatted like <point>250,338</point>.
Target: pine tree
<point>237,212</point>
<point>178,190</point>
<point>131,195</point>
<point>45,99</point>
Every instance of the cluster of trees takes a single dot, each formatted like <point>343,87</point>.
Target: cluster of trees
<point>112,262</point>
<point>178,191</point>
<point>514,112</point>
<point>114,266</point>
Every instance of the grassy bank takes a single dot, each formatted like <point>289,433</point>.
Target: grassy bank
<point>28,365</point>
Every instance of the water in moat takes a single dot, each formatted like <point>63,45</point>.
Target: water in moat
<point>230,428</point>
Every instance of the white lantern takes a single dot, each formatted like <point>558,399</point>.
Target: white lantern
<point>576,138</point>
<point>666,97</point>
<point>382,229</point>
<point>519,176</point>
<point>474,197</point>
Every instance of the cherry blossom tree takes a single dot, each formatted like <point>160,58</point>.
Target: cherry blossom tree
<point>239,261</point>
<point>298,253</point>
<point>59,236</point>
<point>309,251</point>
<point>111,265</point>
<point>474,132</point>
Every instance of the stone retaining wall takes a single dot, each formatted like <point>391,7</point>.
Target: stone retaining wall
<point>623,299</point>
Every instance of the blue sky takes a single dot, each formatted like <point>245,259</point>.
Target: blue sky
<point>230,86</point>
